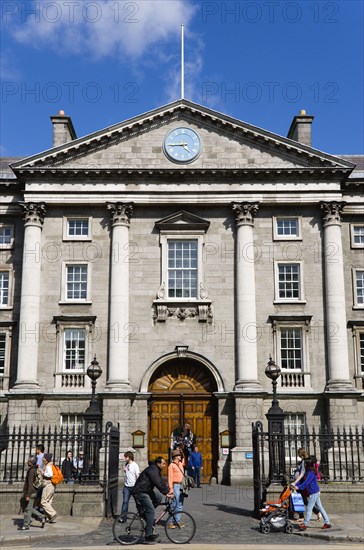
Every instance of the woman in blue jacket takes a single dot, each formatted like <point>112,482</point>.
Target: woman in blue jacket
<point>310,483</point>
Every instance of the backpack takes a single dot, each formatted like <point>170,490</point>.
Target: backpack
<point>57,476</point>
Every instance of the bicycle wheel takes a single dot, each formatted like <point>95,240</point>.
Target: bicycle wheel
<point>128,528</point>
<point>180,532</point>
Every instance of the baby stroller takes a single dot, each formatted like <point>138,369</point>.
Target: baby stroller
<point>275,514</point>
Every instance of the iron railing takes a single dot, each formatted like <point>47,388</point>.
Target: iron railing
<point>340,454</point>
<point>20,442</point>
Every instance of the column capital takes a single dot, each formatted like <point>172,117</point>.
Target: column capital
<point>34,213</point>
<point>332,211</point>
<point>120,212</point>
<point>244,212</point>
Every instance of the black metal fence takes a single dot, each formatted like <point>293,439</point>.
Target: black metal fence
<point>340,454</point>
<point>19,443</point>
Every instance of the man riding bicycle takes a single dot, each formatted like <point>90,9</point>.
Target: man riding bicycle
<point>147,498</point>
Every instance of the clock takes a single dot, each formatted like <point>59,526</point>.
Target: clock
<point>182,145</point>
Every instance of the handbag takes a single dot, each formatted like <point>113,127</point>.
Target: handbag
<point>297,502</point>
<point>187,483</point>
<point>38,482</point>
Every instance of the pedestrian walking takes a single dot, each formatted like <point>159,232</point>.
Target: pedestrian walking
<point>48,488</point>
<point>299,474</point>
<point>132,472</point>
<point>40,454</point>
<point>78,465</point>
<point>313,489</point>
<point>68,469</point>
<point>30,495</point>
<point>175,476</point>
<point>145,496</point>
<point>195,465</point>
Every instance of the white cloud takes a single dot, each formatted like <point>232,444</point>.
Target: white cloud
<point>121,29</point>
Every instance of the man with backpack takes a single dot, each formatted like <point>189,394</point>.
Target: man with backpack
<point>48,488</point>
<point>29,495</point>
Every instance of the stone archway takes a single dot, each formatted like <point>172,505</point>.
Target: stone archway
<point>182,393</point>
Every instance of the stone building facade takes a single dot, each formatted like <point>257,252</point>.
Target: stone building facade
<point>183,248</point>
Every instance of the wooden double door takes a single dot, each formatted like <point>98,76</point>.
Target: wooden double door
<point>182,394</point>
<point>166,413</point>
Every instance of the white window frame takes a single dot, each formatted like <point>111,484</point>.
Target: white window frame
<point>352,235</point>
<point>282,328</point>
<point>277,237</point>
<point>164,239</point>
<point>79,369</point>
<point>356,305</point>
<point>64,299</point>
<point>181,236</point>
<point>71,420</point>
<point>7,246</point>
<point>277,298</point>
<point>280,322</point>
<point>9,305</point>
<point>73,379</point>
<point>289,420</point>
<point>68,237</point>
<point>4,376</point>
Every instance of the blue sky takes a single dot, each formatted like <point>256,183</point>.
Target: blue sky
<point>104,61</point>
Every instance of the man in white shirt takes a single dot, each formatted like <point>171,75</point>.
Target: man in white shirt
<point>131,470</point>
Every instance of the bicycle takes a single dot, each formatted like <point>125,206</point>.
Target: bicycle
<point>129,528</point>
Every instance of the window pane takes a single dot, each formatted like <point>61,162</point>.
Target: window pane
<point>360,287</point>
<point>2,353</point>
<point>74,344</point>
<point>291,349</point>
<point>4,288</point>
<point>78,228</point>
<point>361,348</point>
<point>182,269</point>
<point>358,234</point>
<point>294,426</point>
<point>287,227</point>
<point>5,235</point>
<point>289,281</point>
<point>76,282</point>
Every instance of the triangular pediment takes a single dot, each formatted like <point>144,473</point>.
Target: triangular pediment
<point>137,145</point>
<point>182,220</point>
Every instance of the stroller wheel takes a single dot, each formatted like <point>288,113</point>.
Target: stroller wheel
<point>265,528</point>
<point>288,528</point>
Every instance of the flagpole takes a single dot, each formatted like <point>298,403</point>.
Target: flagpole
<point>182,64</point>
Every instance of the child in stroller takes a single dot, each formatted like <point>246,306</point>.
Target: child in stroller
<point>275,514</point>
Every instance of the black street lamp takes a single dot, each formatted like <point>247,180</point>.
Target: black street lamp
<point>275,417</point>
<point>92,419</point>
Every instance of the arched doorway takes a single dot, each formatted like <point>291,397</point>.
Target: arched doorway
<point>182,394</point>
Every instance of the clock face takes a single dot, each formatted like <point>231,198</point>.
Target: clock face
<point>182,145</point>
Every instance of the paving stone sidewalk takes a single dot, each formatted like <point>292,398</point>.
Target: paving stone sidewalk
<point>222,514</point>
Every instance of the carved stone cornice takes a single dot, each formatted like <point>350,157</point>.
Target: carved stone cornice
<point>244,212</point>
<point>34,213</point>
<point>120,212</point>
<point>332,212</point>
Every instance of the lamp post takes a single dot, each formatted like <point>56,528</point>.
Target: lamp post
<point>92,420</point>
<point>275,417</point>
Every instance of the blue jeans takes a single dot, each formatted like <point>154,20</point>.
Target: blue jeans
<point>177,503</point>
<point>197,476</point>
<point>126,498</point>
<point>143,500</point>
<point>314,500</point>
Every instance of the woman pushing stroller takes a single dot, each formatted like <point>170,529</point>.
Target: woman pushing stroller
<point>310,483</point>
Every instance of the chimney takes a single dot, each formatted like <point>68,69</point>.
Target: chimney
<point>300,129</point>
<point>63,130</point>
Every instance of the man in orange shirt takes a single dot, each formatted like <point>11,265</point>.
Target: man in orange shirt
<point>175,476</point>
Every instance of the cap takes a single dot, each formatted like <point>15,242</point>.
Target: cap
<point>176,453</point>
<point>48,457</point>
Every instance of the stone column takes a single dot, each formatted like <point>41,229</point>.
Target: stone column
<point>337,343</point>
<point>118,371</point>
<point>246,321</point>
<point>29,330</point>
